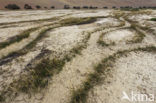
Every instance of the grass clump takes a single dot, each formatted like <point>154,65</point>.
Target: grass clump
<point>139,35</point>
<point>40,74</point>
<point>102,42</point>
<point>1,98</point>
<point>77,21</point>
<point>153,19</point>
<point>148,49</point>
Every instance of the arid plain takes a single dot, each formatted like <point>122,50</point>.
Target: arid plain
<point>76,56</point>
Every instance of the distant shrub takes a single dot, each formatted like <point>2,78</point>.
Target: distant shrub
<point>95,7</point>
<point>153,19</point>
<point>12,7</point>
<point>85,7</point>
<point>121,7</point>
<point>76,7</point>
<point>144,7</point>
<point>38,7</point>
<point>52,7</point>
<point>45,7</point>
<point>114,7</point>
<point>26,6</point>
<point>92,7</point>
<point>66,7</point>
<point>105,7</point>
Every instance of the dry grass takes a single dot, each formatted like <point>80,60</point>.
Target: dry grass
<point>77,21</point>
<point>139,35</point>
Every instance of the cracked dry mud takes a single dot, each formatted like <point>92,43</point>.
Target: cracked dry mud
<point>63,62</point>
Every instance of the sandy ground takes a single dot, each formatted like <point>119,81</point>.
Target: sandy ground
<point>108,22</point>
<point>134,73</point>
<point>121,35</point>
<point>138,68</point>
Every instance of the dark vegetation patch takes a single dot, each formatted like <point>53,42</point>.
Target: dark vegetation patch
<point>102,42</point>
<point>85,7</point>
<point>38,7</point>
<point>12,7</point>
<point>153,19</point>
<point>66,7</point>
<point>139,35</point>
<point>76,7</point>
<point>27,6</point>
<point>52,7</point>
<point>105,7</point>
<point>77,21</point>
<point>93,7</point>
<point>102,70</point>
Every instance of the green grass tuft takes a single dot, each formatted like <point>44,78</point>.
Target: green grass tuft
<point>153,19</point>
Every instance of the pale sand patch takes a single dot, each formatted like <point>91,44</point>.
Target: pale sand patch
<point>93,14</point>
<point>62,39</point>
<point>136,73</point>
<point>141,17</point>
<point>108,22</point>
<point>118,36</point>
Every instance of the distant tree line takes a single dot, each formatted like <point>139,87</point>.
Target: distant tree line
<point>12,6</point>
<point>27,6</point>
